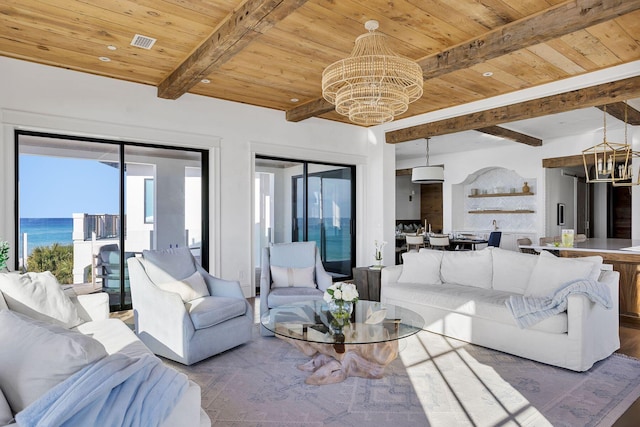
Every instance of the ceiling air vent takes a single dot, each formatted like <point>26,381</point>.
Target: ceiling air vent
<point>142,41</point>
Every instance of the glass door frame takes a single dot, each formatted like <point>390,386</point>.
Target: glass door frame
<point>204,254</point>
<point>305,191</point>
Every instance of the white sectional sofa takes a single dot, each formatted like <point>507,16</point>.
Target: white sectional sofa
<point>85,335</point>
<point>463,294</point>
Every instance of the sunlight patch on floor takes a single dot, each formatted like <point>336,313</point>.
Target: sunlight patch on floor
<point>456,389</point>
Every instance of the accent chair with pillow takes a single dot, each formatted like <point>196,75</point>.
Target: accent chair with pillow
<point>182,312</point>
<point>291,272</point>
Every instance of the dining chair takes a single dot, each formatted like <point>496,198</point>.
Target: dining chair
<point>494,239</point>
<point>545,240</point>
<point>414,243</point>
<point>525,241</point>
<point>437,242</point>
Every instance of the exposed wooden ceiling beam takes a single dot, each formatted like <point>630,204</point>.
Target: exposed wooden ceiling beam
<point>309,109</point>
<point>512,135</point>
<point>557,21</point>
<point>547,25</point>
<point>617,110</point>
<point>566,161</point>
<point>581,98</point>
<point>242,26</point>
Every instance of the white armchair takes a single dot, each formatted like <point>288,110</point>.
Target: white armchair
<point>176,323</point>
<point>291,272</point>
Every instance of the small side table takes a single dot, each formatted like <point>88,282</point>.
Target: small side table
<point>367,282</point>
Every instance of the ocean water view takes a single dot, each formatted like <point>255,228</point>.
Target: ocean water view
<point>45,232</point>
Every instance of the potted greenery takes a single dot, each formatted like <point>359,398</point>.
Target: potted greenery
<point>4,255</point>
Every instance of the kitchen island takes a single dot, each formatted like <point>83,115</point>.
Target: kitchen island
<point>623,255</point>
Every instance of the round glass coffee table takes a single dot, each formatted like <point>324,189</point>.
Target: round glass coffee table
<point>362,345</point>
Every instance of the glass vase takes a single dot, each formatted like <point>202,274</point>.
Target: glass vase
<point>340,309</point>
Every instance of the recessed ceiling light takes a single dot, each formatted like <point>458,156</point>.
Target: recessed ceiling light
<point>111,47</point>
<point>205,81</point>
<point>294,100</point>
<point>487,74</point>
<point>104,59</point>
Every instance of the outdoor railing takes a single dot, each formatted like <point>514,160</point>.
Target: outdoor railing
<point>106,226</point>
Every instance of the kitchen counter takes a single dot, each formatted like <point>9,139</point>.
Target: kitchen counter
<point>595,245</point>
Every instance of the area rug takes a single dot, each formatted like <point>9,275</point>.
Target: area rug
<point>436,381</point>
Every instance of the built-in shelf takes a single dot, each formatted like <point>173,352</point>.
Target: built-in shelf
<point>500,195</point>
<point>498,211</point>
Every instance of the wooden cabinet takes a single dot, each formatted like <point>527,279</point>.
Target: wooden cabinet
<point>431,206</point>
<point>367,282</point>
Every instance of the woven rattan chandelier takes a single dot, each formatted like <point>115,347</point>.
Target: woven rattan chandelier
<point>373,84</point>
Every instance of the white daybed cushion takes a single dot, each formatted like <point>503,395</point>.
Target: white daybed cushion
<point>286,277</point>
<point>37,355</point>
<point>512,270</point>
<point>421,267</point>
<point>115,336</point>
<point>551,272</point>
<point>39,296</point>
<point>469,268</point>
<point>189,288</point>
<point>3,303</point>
<point>6,417</point>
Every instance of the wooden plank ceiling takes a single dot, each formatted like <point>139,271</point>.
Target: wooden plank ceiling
<point>271,52</point>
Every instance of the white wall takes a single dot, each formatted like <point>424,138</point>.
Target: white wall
<point>560,189</point>
<point>407,203</point>
<point>48,99</point>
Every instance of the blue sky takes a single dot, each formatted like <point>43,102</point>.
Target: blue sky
<point>53,187</point>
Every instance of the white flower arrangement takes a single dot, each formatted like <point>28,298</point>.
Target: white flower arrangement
<point>341,291</point>
<point>379,247</point>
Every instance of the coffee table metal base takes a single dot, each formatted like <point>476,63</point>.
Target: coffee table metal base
<point>333,363</point>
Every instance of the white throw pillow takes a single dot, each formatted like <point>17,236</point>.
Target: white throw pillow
<point>512,270</point>
<point>421,267</point>
<point>190,288</point>
<point>551,272</point>
<point>469,268</point>
<point>6,417</point>
<point>35,356</point>
<point>596,264</point>
<point>285,277</point>
<point>40,296</point>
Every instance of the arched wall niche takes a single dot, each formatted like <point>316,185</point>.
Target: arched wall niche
<point>499,197</point>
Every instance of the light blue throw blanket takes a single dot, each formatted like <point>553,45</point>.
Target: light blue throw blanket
<point>528,311</point>
<point>117,390</point>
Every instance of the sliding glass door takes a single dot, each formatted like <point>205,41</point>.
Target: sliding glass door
<point>85,206</point>
<point>329,214</point>
<point>305,201</point>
